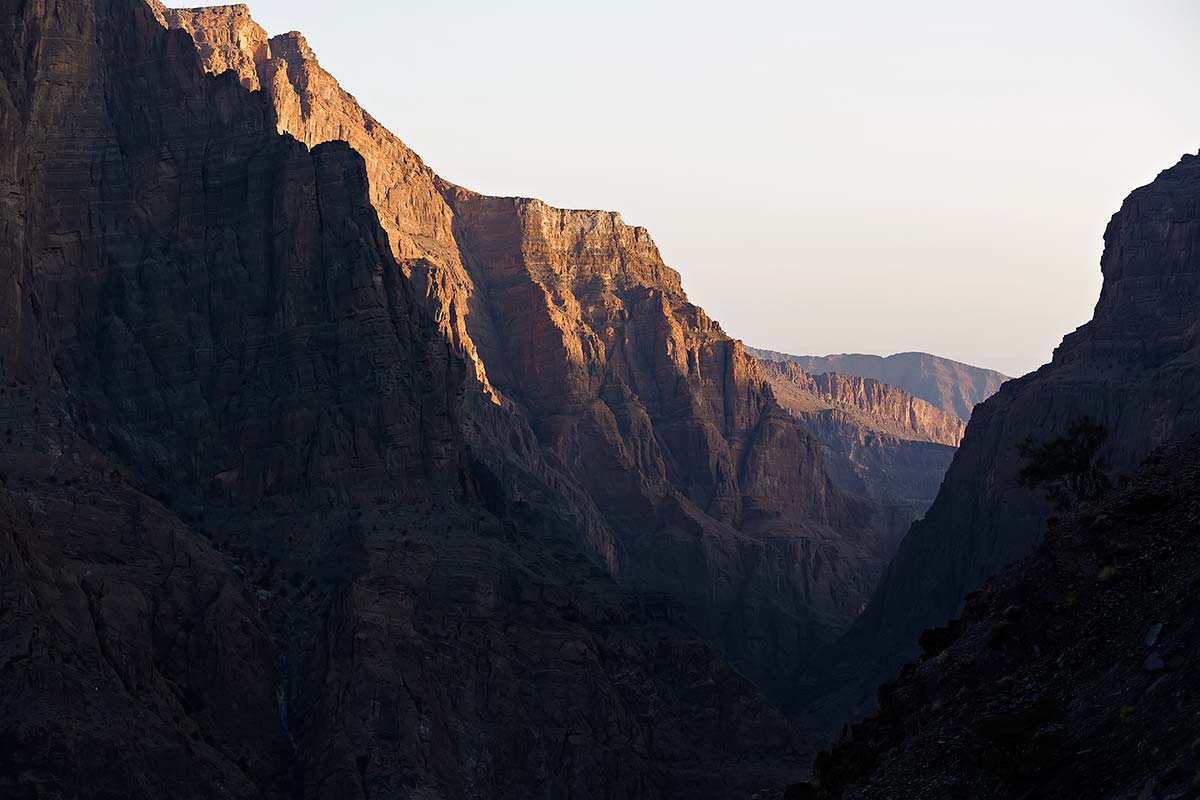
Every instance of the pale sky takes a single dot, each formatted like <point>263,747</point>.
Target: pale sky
<point>828,177</point>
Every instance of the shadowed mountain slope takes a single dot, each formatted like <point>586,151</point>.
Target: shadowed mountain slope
<point>1133,368</point>
<point>1070,674</point>
<point>323,477</point>
<point>261,536</point>
<point>577,333</point>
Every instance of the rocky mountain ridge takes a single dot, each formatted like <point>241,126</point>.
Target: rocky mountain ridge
<point>874,405</point>
<point>324,477</point>
<point>951,386</point>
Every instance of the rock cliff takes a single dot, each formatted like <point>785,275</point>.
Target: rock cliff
<point>1132,368</point>
<point>952,386</point>
<point>260,536</point>
<point>323,477</point>
<point>575,329</point>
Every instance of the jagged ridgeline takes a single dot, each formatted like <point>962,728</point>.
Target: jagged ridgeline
<point>951,386</point>
<point>323,477</point>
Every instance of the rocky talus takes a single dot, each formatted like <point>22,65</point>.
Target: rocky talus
<point>263,534</point>
<point>951,386</point>
<point>1070,674</point>
<point>581,344</point>
<point>1133,368</point>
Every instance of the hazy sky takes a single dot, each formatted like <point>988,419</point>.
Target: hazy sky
<point>828,177</point>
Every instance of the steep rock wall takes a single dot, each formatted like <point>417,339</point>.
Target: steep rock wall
<point>574,327</point>
<point>257,540</point>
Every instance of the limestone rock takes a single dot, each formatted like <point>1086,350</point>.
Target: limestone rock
<point>874,405</point>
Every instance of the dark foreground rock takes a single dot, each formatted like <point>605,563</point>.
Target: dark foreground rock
<point>1071,674</point>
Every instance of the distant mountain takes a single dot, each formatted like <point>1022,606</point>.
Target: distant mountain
<point>950,385</point>
<point>872,403</point>
<point>322,476</point>
<point>879,442</point>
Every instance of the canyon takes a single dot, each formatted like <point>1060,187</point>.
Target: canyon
<point>582,339</point>
<point>263,536</point>
<point>324,477</point>
<point>579,336</point>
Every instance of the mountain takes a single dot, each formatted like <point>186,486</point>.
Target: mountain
<point>582,341</point>
<point>322,477</point>
<point>1132,368</point>
<point>954,387</point>
<point>879,441</point>
<point>1071,674</point>
<point>871,403</point>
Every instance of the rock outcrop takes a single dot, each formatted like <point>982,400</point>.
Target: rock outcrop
<point>262,535</point>
<point>952,386</point>
<point>1071,674</point>
<point>577,332</point>
<point>1133,368</point>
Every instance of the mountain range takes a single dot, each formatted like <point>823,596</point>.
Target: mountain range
<point>323,477</point>
<point>327,477</point>
<point>952,386</point>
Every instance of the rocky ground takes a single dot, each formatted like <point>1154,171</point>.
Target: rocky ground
<point>1072,674</point>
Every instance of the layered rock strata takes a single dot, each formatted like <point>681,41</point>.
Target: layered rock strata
<point>878,441</point>
<point>951,386</point>
<point>575,329</point>
<point>258,539</point>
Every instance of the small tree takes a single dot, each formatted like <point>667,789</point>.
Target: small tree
<point>1067,466</point>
